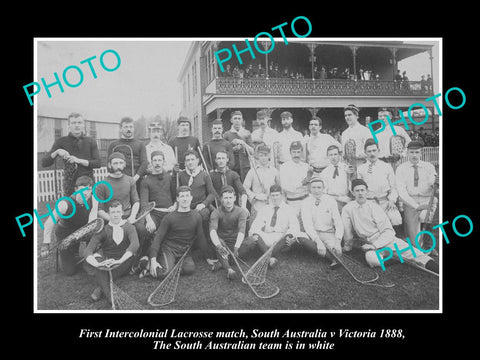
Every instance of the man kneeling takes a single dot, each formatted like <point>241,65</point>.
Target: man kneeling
<point>227,228</point>
<point>118,242</point>
<point>177,232</point>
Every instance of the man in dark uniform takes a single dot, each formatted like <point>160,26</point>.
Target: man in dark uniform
<point>80,153</point>
<point>183,142</point>
<point>83,211</point>
<point>241,141</point>
<point>133,149</point>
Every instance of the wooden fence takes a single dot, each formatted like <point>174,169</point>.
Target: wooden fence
<point>46,183</point>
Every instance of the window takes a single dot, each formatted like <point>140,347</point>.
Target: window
<point>194,78</point>
<point>58,128</point>
<point>91,129</point>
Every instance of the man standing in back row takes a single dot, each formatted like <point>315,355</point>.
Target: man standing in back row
<point>183,142</point>
<point>241,141</point>
<point>79,152</point>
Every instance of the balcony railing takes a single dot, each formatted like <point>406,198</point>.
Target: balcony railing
<point>330,87</point>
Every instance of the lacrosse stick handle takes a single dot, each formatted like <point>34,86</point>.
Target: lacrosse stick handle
<point>206,167</point>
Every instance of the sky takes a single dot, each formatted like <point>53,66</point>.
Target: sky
<point>145,84</point>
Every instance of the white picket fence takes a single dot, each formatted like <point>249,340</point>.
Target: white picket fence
<point>46,183</point>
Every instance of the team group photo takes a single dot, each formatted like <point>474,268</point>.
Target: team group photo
<point>261,187</point>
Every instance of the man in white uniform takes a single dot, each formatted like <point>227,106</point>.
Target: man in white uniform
<point>274,225</point>
<point>286,137</point>
<point>415,184</point>
<point>292,177</point>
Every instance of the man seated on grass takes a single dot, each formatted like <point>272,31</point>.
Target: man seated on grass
<point>85,211</point>
<point>227,228</point>
<point>118,242</point>
<point>177,232</point>
<point>322,222</point>
<point>275,223</point>
<point>375,231</point>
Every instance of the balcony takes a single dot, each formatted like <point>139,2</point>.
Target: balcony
<point>309,87</point>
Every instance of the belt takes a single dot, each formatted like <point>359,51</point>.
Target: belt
<point>299,198</point>
<point>378,198</point>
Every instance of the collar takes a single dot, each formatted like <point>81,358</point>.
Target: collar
<point>125,139</point>
<point>194,172</point>
<point>75,137</point>
<point>225,169</point>
<point>357,205</point>
<point>160,143</point>
<point>225,210</point>
<point>121,223</point>
<point>235,131</point>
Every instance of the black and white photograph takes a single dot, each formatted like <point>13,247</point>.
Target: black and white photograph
<point>234,175</point>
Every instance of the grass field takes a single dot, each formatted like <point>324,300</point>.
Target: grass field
<point>305,282</point>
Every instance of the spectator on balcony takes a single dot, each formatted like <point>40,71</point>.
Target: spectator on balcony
<point>275,73</point>
<point>429,83</point>
<point>398,77</point>
<point>316,72</point>
<point>377,77</point>
<point>423,84</point>
<point>405,83</point>
<point>323,73</point>
<point>361,75</point>
<point>249,71</point>
<point>236,72</point>
<point>333,73</point>
<point>259,72</point>
<point>285,72</point>
<point>345,74</point>
<point>228,71</point>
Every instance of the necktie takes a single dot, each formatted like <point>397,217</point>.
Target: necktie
<point>415,175</point>
<point>117,231</point>
<point>273,222</point>
<point>335,173</point>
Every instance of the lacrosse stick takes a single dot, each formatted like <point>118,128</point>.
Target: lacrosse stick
<point>397,148</point>
<point>252,165</point>
<point>276,154</point>
<point>120,299</point>
<point>427,222</point>
<point>164,294</point>
<point>206,167</point>
<point>150,206</point>
<point>130,153</point>
<point>81,234</point>
<point>263,290</point>
<point>351,156</point>
<point>176,157</point>
<point>69,177</point>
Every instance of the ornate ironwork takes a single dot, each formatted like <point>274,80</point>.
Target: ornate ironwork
<point>323,87</point>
